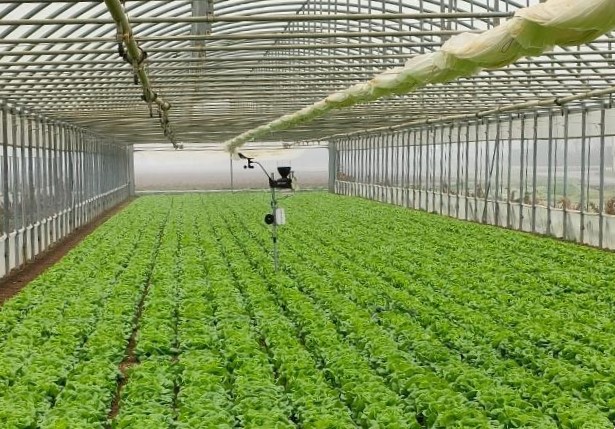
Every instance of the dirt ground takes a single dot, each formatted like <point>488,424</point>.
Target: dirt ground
<point>12,284</point>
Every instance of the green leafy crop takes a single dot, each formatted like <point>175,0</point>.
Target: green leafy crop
<point>170,315</point>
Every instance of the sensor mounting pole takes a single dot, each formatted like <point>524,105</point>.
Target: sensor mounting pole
<point>277,216</point>
<point>274,230</point>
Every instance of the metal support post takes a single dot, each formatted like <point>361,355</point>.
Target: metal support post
<point>433,169</point>
<point>601,205</point>
<point>32,215</point>
<point>449,169</point>
<point>274,230</point>
<point>534,172</point>
<point>521,173</point>
<point>333,165</point>
<point>509,175</point>
<point>440,187</point>
<point>476,168</point>
<point>583,165</point>
<point>15,185</point>
<point>5,188</point>
<point>497,168</point>
<point>550,190</point>
<point>427,168</point>
<point>420,175</point>
<point>458,187</point>
<point>70,149</point>
<point>565,190</point>
<point>25,199</point>
<point>231,173</point>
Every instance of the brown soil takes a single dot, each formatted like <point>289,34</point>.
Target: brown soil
<point>129,361</point>
<point>19,278</point>
<point>130,358</point>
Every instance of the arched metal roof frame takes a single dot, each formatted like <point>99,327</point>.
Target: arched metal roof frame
<point>253,71</point>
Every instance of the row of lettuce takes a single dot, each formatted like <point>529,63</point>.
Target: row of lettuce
<point>63,337</point>
<point>487,320</point>
<point>379,317</point>
<point>385,318</point>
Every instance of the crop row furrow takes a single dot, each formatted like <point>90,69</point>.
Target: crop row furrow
<point>438,405</point>
<point>153,406</point>
<point>258,400</point>
<point>520,271</point>
<point>90,386</point>
<point>45,368</point>
<point>42,323</point>
<point>397,299</point>
<point>365,392</point>
<point>428,236</point>
<point>545,335</point>
<point>511,344</point>
<point>40,296</point>
<point>502,403</point>
<point>204,398</point>
<point>316,404</point>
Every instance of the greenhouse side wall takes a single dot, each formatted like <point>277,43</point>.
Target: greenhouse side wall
<point>54,178</point>
<point>549,172</point>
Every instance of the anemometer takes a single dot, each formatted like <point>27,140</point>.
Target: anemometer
<point>277,216</point>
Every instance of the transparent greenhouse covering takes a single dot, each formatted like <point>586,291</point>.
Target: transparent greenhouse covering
<point>229,72</point>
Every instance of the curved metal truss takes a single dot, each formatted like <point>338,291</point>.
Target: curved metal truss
<point>227,66</point>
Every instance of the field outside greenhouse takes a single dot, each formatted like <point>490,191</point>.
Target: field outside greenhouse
<point>170,315</point>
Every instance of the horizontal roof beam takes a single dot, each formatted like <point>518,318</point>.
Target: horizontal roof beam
<point>263,18</point>
<point>273,47</point>
<point>234,36</point>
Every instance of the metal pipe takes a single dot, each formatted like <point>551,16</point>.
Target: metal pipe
<point>222,48</point>
<point>5,186</point>
<point>534,172</point>
<point>582,207</point>
<point>565,190</point>
<point>522,167</point>
<point>116,6</point>
<point>232,36</point>
<point>601,199</point>
<point>480,114</point>
<point>138,57</point>
<point>509,175</point>
<point>550,176</point>
<point>577,65</point>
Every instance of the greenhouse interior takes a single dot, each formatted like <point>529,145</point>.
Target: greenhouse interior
<point>272,214</point>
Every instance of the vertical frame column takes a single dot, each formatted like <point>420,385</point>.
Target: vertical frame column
<point>522,174</point>
<point>130,170</point>
<point>440,146</point>
<point>5,188</point>
<point>509,196</point>
<point>333,165</point>
<point>416,179</point>
<point>583,167</point>
<point>601,205</point>
<point>24,189</point>
<point>534,172</point>
<point>488,172</point>
<point>497,167</point>
<point>16,188</point>
<point>32,214</point>
<point>565,199</point>
<point>550,190</point>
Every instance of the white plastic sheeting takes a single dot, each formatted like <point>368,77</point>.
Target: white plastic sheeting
<point>530,32</point>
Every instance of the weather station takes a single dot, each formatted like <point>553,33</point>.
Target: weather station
<point>277,216</point>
